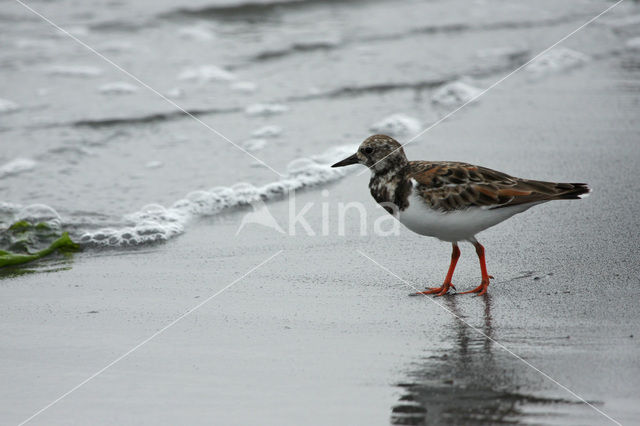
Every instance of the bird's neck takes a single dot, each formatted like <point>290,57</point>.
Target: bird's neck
<point>390,188</point>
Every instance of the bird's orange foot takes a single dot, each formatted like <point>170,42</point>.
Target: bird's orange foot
<point>438,291</point>
<point>481,289</point>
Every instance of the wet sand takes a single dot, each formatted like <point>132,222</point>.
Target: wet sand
<point>320,335</point>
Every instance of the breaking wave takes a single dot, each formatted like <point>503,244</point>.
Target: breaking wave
<point>156,223</point>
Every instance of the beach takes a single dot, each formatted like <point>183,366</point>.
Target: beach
<point>201,318</point>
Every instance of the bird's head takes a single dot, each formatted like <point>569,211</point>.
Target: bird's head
<point>378,152</point>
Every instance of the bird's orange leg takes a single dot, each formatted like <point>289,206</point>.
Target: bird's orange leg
<point>441,291</point>
<point>482,288</point>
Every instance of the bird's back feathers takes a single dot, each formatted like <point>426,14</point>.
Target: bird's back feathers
<point>449,186</point>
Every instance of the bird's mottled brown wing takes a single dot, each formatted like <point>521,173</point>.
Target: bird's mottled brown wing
<point>451,186</point>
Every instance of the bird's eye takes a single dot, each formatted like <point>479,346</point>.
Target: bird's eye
<point>367,150</point>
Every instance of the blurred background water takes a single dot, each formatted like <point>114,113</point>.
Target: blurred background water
<point>119,165</point>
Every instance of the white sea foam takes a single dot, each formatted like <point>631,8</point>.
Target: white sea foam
<point>78,30</point>
<point>454,94</point>
<point>633,43</point>
<point>270,131</point>
<point>244,86</point>
<point>156,223</point>
<point>74,71</point>
<point>39,213</point>
<point>117,88</point>
<point>154,164</point>
<point>254,144</point>
<point>265,109</point>
<point>558,59</point>
<point>19,165</point>
<point>206,73</point>
<point>200,32</point>
<point>397,125</point>
<point>34,214</point>
<point>7,106</point>
<point>176,92</point>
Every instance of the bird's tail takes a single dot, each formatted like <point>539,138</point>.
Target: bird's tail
<point>536,191</point>
<point>572,191</point>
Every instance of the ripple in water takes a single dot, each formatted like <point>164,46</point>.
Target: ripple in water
<point>14,167</point>
<point>270,131</point>
<point>455,94</point>
<point>205,74</point>
<point>264,110</point>
<point>74,71</point>
<point>7,106</point>
<point>558,59</point>
<point>117,88</point>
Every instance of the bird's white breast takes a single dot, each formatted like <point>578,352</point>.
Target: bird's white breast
<point>458,225</point>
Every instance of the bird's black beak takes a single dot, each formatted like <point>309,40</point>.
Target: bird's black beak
<point>347,161</point>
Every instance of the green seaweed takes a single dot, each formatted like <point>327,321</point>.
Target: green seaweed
<point>24,242</point>
<point>43,226</point>
<point>22,226</point>
<point>63,244</point>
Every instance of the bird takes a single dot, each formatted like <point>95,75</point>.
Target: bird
<point>449,200</point>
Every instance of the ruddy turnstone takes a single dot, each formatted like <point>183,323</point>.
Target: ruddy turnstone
<point>448,200</point>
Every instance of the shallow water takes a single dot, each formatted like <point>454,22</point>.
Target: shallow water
<point>86,139</point>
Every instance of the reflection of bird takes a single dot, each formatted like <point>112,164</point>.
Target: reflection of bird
<point>489,383</point>
<point>260,215</point>
<point>448,200</point>
<point>468,368</point>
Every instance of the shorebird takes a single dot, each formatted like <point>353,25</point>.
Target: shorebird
<point>449,200</point>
